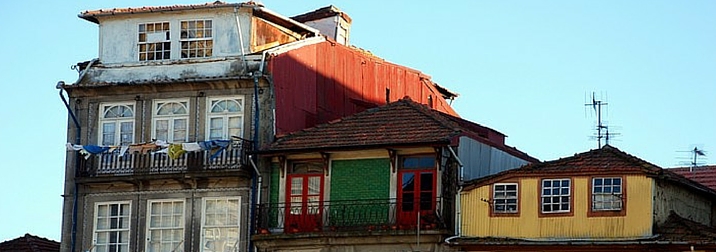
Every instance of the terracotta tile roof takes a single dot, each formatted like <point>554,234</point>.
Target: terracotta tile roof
<point>91,15</point>
<point>607,159</point>
<point>30,243</point>
<point>706,175</point>
<point>399,123</point>
<point>679,229</point>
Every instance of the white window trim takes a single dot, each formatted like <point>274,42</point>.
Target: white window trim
<point>118,130</point>
<point>203,219</point>
<point>517,198</point>
<point>128,228</point>
<point>171,119</point>
<point>621,192</point>
<point>180,40</point>
<point>542,196</point>
<point>225,133</point>
<point>172,44</point>
<point>147,233</point>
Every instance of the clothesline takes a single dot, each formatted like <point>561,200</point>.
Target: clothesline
<point>173,150</point>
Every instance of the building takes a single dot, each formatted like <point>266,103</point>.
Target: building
<point>384,179</point>
<point>161,123</point>
<point>30,243</point>
<point>600,200</point>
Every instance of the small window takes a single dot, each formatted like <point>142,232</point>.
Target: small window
<point>165,225</point>
<point>504,198</point>
<point>556,195</point>
<point>220,224</point>
<point>154,43</point>
<point>607,194</point>
<point>116,124</point>
<point>225,117</point>
<point>111,227</point>
<point>171,120</point>
<point>196,39</point>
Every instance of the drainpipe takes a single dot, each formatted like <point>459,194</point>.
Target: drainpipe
<point>61,86</point>
<point>241,39</point>
<point>458,221</point>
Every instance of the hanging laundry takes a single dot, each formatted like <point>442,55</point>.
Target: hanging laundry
<point>73,147</point>
<point>94,149</point>
<point>143,148</point>
<point>191,146</point>
<point>215,147</point>
<point>175,151</point>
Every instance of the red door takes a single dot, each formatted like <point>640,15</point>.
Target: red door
<point>416,194</point>
<point>304,205</point>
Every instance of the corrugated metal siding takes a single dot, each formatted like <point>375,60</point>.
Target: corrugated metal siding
<point>637,222</point>
<point>481,160</point>
<point>318,83</point>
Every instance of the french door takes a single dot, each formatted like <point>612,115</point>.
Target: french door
<point>416,194</point>
<point>304,199</point>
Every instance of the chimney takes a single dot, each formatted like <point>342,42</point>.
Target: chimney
<point>331,21</point>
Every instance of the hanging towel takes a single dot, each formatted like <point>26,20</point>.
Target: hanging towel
<point>191,146</point>
<point>175,151</point>
<point>94,149</point>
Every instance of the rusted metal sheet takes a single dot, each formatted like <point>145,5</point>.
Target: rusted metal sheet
<point>325,81</point>
<point>265,34</point>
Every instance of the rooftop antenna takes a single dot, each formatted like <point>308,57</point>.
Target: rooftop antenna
<point>694,159</point>
<point>602,130</point>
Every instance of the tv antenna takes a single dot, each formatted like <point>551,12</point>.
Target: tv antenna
<point>602,129</point>
<point>694,159</point>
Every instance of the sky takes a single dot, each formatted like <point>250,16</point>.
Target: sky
<point>524,68</point>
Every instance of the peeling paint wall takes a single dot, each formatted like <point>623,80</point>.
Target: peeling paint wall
<point>119,35</point>
<point>669,197</point>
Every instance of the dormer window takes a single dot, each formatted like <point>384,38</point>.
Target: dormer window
<point>196,39</point>
<point>154,43</point>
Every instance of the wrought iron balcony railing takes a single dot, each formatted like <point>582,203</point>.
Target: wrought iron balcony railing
<point>114,164</point>
<point>354,215</point>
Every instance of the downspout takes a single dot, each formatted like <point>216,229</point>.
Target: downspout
<point>241,39</point>
<point>458,221</point>
<point>61,87</point>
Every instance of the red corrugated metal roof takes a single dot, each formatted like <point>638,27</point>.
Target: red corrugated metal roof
<point>321,82</point>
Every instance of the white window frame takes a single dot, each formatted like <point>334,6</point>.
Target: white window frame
<point>550,198</point>
<point>152,39</point>
<point>225,116</point>
<point>118,121</point>
<point>171,120</point>
<point>206,228</point>
<point>206,50</point>
<point>96,232</point>
<point>616,200</point>
<point>173,244</point>
<point>502,198</point>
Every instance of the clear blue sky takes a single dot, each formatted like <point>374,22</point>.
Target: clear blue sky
<point>520,67</point>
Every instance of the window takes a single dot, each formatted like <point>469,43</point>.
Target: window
<point>116,124</point>
<point>111,227</point>
<point>171,119</point>
<point>606,194</point>
<point>505,198</point>
<point>196,39</point>
<point>225,118</point>
<point>165,225</point>
<point>220,224</point>
<point>154,41</point>
<point>556,195</point>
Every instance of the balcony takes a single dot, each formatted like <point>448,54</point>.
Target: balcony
<point>112,164</point>
<point>374,216</point>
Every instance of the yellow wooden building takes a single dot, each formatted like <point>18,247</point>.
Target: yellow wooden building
<point>603,199</point>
